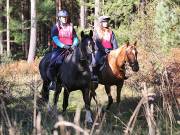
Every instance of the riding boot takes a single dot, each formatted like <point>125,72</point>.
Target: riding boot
<point>51,73</point>
<point>55,61</point>
<point>51,76</point>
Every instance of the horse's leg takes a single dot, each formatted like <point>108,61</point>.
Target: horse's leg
<point>93,93</point>
<point>110,99</point>
<point>65,99</point>
<point>56,95</point>
<point>45,93</point>
<point>119,88</point>
<point>86,98</point>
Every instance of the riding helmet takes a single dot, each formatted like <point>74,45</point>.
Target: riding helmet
<point>104,18</point>
<point>63,13</point>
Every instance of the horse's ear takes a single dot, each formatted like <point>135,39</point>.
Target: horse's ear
<point>127,43</point>
<point>135,43</point>
<point>91,33</point>
<point>82,34</point>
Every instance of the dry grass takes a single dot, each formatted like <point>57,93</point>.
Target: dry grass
<point>19,68</point>
<point>26,80</point>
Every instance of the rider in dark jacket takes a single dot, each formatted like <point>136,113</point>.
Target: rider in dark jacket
<point>105,40</point>
<point>64,37</point>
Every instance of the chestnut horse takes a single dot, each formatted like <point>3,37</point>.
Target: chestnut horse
<point>112,72</point>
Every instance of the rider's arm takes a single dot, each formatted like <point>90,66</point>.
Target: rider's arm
<point>114,41</point>
<point>54,35</point>
<point>75,39</point>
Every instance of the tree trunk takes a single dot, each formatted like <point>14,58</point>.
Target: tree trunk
<point>22,26</point>
<point>58,6</point>
<point>1,36</point>
<point>97,10</point>
<point>27,32</point>
<point>7,32</point>
<point>1,44</point>
<point>82,14</point>
<point>32,47</point>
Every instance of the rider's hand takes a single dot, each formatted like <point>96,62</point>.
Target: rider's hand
<point>67,47</point>
<point>73,47</point>
<point>107,50</point>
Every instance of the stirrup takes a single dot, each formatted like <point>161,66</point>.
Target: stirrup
<point>94,79</point>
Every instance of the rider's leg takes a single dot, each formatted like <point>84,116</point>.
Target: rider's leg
<point>94,73</point>
<point>51,72</point>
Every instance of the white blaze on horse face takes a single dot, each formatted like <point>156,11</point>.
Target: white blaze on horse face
<point>88,117</point>
<point>93,60</point>
<point>133,51</point>
<point>89,45</point>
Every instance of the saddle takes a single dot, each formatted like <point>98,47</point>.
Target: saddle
<point>62,56</point>
<point>101,64</point>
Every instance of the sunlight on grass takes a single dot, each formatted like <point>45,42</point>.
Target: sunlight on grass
<point>20,104</point>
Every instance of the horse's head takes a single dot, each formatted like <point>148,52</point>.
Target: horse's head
<point>131,56</point>
<point>87,45</point>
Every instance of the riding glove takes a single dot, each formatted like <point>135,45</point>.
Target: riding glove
<point>107,50</point>
<point>67,47</point>
<point>73,47</point>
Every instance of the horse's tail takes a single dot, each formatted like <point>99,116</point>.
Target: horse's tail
<point>43,66</point>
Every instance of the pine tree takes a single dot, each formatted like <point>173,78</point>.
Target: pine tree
<point>82,14</point>
<point>167,24</point>
<point>32,48</point>
<point>58,6</point>
<point>7,29</point>
<point>97,12</point>
<point>1,38</point>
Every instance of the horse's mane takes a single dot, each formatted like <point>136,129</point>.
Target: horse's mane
<point>116,52</point>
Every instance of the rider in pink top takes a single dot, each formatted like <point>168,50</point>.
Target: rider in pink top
<point>64,37</point>
<point>105,40</point>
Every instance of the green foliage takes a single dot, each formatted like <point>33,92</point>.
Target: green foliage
<point>122,35</point>
<point>121,11</point>
<point>167,24</point>
<point>16,33</point>
<point>1,26</point>
<point>4,59</point>
<point>46,10</point>
<point>19,37</point>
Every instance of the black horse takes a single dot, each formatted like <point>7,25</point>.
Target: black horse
<point>73,74</point>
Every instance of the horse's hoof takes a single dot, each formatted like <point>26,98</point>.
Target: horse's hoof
<point>64,112</point>
<point>104,110</point>
<point>49,109</point>
<point>55,110</point>
<point>118,101</point>
<point>107,108</point>
<point>89,125</point>
<point>119,114</point>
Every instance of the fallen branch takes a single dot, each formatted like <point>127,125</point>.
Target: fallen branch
<point>69,124</point>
